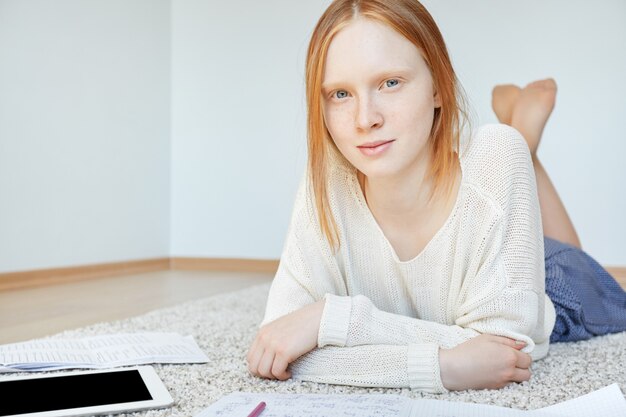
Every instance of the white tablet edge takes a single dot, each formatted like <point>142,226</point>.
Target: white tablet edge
<point>161,398</point>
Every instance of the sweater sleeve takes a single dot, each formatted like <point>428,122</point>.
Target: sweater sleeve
<point>507,295</point>
<point>504,296</point>
<point>414,366</point>
<point>361,345</point>
<point>306,273</point>
<point>355,321</point>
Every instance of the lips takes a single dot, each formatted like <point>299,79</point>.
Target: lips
<point>375,144</point>
<point>375,149</point>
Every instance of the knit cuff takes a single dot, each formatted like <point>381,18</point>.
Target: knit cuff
<point>335,321</point>
<point>423,368</point>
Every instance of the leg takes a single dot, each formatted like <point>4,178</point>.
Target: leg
<point>503,99</point>
<point>528,111</point>
<point>556,222</point>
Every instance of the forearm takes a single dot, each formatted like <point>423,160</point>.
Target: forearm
<point>355,321</point>
<point>496,362</point>
<point>412,366</point>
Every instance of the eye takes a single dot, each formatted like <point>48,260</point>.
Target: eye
<point>391,83</point>
<point>340,94</point>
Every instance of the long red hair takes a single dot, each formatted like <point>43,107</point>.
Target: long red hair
<point>412,20</point>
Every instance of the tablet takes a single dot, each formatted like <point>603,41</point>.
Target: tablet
<point>81,393</point>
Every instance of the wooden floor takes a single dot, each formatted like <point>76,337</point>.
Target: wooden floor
<point>36,312</point>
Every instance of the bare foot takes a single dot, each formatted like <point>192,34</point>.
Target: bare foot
<point>503,98</point>
<point>532,110</point>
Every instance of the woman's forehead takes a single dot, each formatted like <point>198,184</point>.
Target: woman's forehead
<point>368,46</point>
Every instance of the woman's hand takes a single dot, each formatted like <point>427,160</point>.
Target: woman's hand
<point>284,340</point>
<point>484,362</point>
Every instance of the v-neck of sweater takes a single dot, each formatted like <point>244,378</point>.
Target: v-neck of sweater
<point>365,210</point>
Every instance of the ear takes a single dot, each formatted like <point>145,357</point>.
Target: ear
<point>437,99</point>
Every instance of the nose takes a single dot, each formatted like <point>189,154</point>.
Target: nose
<point>367,115</point>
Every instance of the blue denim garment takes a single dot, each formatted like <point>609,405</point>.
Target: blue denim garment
<point>588,300</point>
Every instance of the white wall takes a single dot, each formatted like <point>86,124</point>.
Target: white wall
<point>85,119</point>
<point>239,121</point>
<point>583,46</point>
<point>238,117</point>
<point>84,132</point>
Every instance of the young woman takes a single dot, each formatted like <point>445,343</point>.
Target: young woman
<point>415,255</point>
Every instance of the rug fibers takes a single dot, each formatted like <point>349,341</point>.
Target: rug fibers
<point>224,326</point>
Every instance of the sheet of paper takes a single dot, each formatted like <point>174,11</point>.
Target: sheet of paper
<point>311,405</point>
<point>606,402</point>
<point>104,351</point>
<point>441,408</point>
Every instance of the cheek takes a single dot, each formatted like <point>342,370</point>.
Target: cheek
<point>338,121</point>
<point>411,112</point>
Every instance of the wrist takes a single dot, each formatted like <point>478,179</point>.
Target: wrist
<point>446,369</point>
<point>319,311</point>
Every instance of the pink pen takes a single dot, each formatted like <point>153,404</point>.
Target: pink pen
<point>257,410</point>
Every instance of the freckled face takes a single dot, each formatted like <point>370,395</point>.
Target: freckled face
<point>377,87</point>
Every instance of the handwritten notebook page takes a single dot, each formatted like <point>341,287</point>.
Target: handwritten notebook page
<point>376,405</point>
<point>607,402</point>
<point>311,405</point>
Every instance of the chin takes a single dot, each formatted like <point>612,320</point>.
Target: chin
<point>377,172</point>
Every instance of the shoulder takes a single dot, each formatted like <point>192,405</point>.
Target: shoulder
<point>303,215</point>
<point>495,142</point>
<point>305,219</point>
<point>497,160</point>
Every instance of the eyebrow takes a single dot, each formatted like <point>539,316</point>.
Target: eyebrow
<point>329,86</point>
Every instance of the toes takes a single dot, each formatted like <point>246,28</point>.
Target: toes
<point>547,84</point>
<point>505,89</point>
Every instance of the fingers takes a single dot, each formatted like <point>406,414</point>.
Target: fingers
<point>269,365</point>
<point>523,360</point>
<point>520,375</point>
<point>519,365</point>
<point>515,344</point>
<point>254,357</point>
<point>522,371</point>
<point>251,352</point>
<point>265,364</point>
<point>279,368</point>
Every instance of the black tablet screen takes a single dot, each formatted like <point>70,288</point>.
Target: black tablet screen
<point>72,391</point>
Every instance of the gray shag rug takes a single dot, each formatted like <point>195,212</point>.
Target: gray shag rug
<point>224,326</point>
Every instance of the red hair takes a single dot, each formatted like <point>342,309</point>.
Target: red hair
<point>412,20</point>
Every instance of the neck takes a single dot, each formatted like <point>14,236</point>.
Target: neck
<point>403,196</point>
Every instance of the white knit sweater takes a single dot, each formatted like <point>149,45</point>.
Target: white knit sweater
<point>384,320</point>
